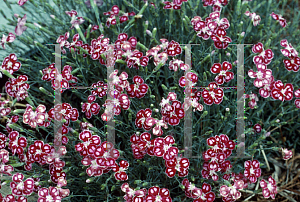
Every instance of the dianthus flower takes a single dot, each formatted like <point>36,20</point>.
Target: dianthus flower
<point>17,88</point>
<point>279,18</point>
<point>7,39</point>
<point>269,189</point>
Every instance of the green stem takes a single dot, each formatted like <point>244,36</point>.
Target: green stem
<point>95,8</point>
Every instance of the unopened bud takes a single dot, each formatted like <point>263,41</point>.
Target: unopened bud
<point>164,87</point>
<point>227,109</point>
<point>243,34</point>
<point>267,134</point>
<point>242,144</point>
<point>37,25</point>
<point>149,32</point>
<point>277,120</point>
<point>137,181</point>
<point>204,114</point>
<point>52,16</point>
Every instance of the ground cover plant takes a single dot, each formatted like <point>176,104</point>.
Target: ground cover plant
<point>127,64</point>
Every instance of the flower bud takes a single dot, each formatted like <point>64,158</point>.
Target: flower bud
<point>204,114</point>
<point>241,144</point>
<point>154,32</point>
<point>152,96</point>
<point>185,24</point>
<point>18,111</point>
<point>43,90</point>
<point>130,117</point>
<point>164,87</point>
<point>158,74</point>
<point>204,76</point>
<point>149,32</point>
<point>37,25</point>
<point>227,109</point>
<point>137,181</point>
<point>145,184</point>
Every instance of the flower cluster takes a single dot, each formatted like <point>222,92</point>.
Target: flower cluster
<point>171,109</point>
<point>176,4</point>
<point>253,99</point>
<point>154,194</point>
<point>160,147</point>
<point>115,12</point>
<point>35,118</point>
<point>63,111</point>
<point>217,4</point>
<point>291,64</point>
<point>90,108</point>
<point>254,17</point>
<point>59,81</point>
<point>221,148</point>
<point>17,88</point>
<point>213,27</point>
<point>212,94</point>
<point>264,78</point>
<point>231,193</point>
<point>199,195</point>
<point>100,157</point>
<point>4,111</point>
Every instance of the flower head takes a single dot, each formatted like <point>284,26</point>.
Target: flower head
<point>20,28</point>
<point>10,38</point>
<point>269,189</point>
